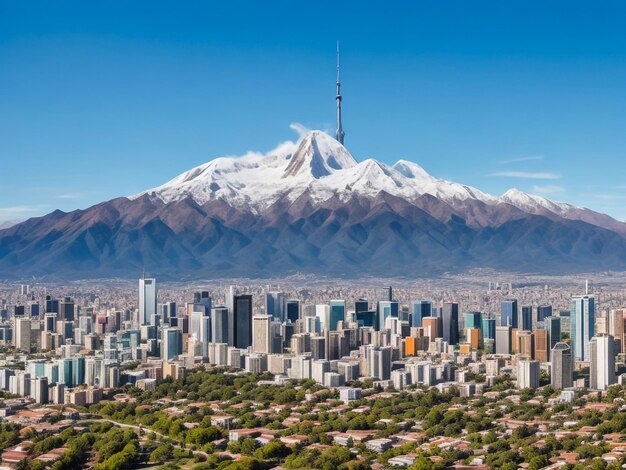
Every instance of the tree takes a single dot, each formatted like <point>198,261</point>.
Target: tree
<point>161,454</point>
<point>273,450</point>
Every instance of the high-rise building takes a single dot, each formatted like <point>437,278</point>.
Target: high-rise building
<point>562,366</point>
<point>322,312</point>
<point>525,344</point>
<point>241,321</point>
<point>78,370</point>
<point>526,318</point>
<point>386,309</point>
<point>52,305</point>
<point>275,305</point>
<point>450,322</point>
<point>553,327</point>
<point>528,374</point>
<point>262,337</point>
<point>147,300</point>
<point>419,310</point>
<point>172,343</point>
<point>292,310</point>
<point>503,340</point>
<point>337,313</point>
<point>39,390</point>
<point>432,327</point>
<point>489,328</point>
<point>602,358</point>
<point>379,363</point>
<point>219,324</point>
<point>473,320</point>
<point>66,308</point>
<point>200,327</point>
<point>544,311</point>
<point>508,314</point>
<point>617,328</point>
<point>582,325</point>
<point>541,345</point>
<point>22,337</point>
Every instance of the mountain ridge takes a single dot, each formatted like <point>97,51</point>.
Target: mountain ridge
<point>310,206</point>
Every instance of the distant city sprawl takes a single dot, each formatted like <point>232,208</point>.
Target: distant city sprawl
<point>484,370</point>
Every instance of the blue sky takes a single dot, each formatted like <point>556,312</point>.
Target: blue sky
<point>105,101</point>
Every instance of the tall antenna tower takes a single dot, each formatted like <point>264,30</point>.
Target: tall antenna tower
<point>340,132</point>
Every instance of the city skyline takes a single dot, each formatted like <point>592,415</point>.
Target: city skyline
<point>495,100</point>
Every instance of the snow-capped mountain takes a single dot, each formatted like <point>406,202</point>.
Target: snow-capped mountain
<point>310,206</point>
<point>324,168</point>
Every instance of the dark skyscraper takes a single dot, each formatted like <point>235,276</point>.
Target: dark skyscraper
<point>292,308</point>
<point>242,321</point>
<point>509,313</point>
<point>66,309</point>
<point>450,322</point>
<point>52,305</point>
<point>526,319</point>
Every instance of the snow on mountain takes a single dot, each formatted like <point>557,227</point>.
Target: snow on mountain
<point>318,155</point>
<point>319,164</point>
<point>534,204</point>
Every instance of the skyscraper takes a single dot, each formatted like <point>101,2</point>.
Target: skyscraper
<point>292,310</point>
<point>489,328</point>
<point>147,300</point>
<point>617,328</point>
<point>419,310</point>
<point>553,326</point>
<point>602,358</point>
<point>66,308</point>
<point>526,320</point>
<point>528,374</point>
<point>219,325</point>
<point>241,321</point>
<point>172,343</point>
<point>450,322</point>
<point>503,340</point>
<point>544,311</point>
<point>262,337</point>
<point>562,366</point>
<point>386,309</point>
<point>22,337</point>
<point>541,346</point>
<point>508,313</point>
<point>275,305</point>
<point>582,325</point>
<point>363,315</point>
<point>337,313</point>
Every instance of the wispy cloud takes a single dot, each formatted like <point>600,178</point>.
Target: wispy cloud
<point>522,159</point>
<point>300,129</point>
<point>69,196</point>
<point>20,212</point>
<point>548,189</point>
<point>539,175</point>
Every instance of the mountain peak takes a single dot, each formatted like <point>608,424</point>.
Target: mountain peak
<point>319,155</point>
<point>410,169</point>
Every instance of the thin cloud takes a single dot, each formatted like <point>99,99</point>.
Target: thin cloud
<point>300,129</point>
<point>539,175</point>
<point>548,189</point>
<point>69,196</point>
<point>20,212</point>
<point>522,159</point>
